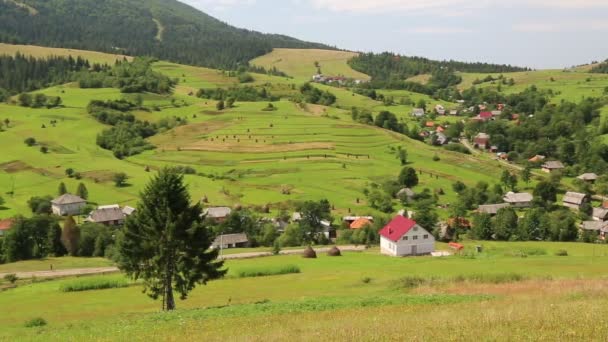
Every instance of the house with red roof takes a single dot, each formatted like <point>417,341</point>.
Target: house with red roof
<point>5,225</point>
<point>404,237</point>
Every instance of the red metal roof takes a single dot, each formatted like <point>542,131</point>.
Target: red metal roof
<point>6,224</point>
<point>485,115</point>
<point>398,227</point>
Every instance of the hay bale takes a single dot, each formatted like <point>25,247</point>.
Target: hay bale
<point>309,253</point>
<point>334,252</point>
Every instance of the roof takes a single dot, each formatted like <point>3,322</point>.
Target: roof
<point>418,111</point>
<point>360,223</point>
<point>128,210</point>
<point>492,209</point>
<point>593,225</point>
<point>522,197</point>
<point>496,112</point>
<point>296,216</point>
<point>536,158</point>
<point>485,115</point>
<point>67,199</point>
<point>574,198</point>
<point>588,177</point>
<point>600,213</point>
<point>430,124</point>
<point>106,215</point>
<point>407,192</point>
<point>111,206</point>
<point>355,218</point>
<point>398,227</point>
<point>217,212</point>
<point>6,224</point>
<point>230,239</point>
<point>482,136</point>
<point>553,165</point>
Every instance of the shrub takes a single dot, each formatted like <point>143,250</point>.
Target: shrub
<point>11,278</point>
<point>561,252</point>
<point>366,280</point>
<point>94,283</point>
<point>264,272</point>
<point>35,322</point>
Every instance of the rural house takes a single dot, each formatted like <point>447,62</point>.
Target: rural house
<point>417,112</point>
<point>484,116</point>
<point>551,166</point>
<point>403,237</point>
<point>440,139</point>
<point>108,216</point>
<point>496,113</point>
<point>5,225</point>
<point>574,200</point>
<point>230,241</point>
<point>536,159</point>
<point>482,141</point>
<point>350,219</point>
<point>218,214</point>
<point>68,204</point>
<point>588,177</point>
<point>519,200</point>
<point>406,193</point>
<point>601,228</point>
<point>360,223</point>
<point>600,214</point>
<point>492,209</point>
<point>128,211</point>
<point>454,112</point>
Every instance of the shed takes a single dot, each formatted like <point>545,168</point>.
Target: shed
<point>218,214</point>
<point>492,209</point>
<point>109,216</point>
<point>230,241</point>
<point>588,177</point>
<point>519,200</point>
<point>600,214</point>
<point>553,165</point>
<point>574,200</point>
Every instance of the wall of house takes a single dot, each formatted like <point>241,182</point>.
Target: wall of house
<point>415,237</point>
<point>68,209</point>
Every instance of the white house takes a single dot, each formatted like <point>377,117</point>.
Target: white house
<point>403,237</point>
<point>68,204</point>
<point>418,112</point>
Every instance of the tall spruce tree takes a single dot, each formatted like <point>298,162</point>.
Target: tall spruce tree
<point>165,243</point>
<point>82,191</point>
<point>70,236</point>
<point>62,189</point>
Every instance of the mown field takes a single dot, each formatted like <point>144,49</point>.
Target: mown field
<point>42,52</point>
<point>511,291</point>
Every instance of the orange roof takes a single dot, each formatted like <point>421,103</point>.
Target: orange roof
<point>6,224</point>
<point>430,124</point>
<point>360,223</point>
<point>440,129</point>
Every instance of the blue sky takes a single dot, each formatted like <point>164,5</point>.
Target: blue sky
<point>534,33</point>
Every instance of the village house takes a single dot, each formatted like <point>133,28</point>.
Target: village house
<point>108,216</point>
<point>230,241</point>
<point>441,139</point>
<point>5,225</point>
<point>600,214</point>
<point>218,214</point>
<point>574,200</point>
<point>600,228</point>
<point>407,194</point>
<point>440,109</point>
<point>454,112</point>
<point>417,112</point>
<point>68,204</point>
<point>404,237</point>
<point>492,209</point>
<point>360,223</point>
<point>482,141</point>
<point>128,211</point>
<point>551,166</point>
<point>519,200</point>
<point>350,219</point>
<point>496,113</point>
<point>536,159</point>
<point>588,177</point>
<point>484,116</point>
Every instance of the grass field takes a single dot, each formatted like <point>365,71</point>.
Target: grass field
<point>41,52</point>
<point>300,63</point>
<point>505,297</point>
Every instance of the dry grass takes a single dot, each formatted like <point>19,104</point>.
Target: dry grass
<point>422,79</point>
<point>43,52</point>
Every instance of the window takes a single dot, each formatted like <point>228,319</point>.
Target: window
<point>405,238</point>
<point>415,237</point>
<point>426,236</point>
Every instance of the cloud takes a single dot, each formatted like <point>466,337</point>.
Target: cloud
<point>562,26</point>
<point>437,30</point>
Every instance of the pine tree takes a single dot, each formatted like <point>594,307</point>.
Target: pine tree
<point>70,236</point>
<point>164,242</point>
<point>62,190</point>
<point>82,191</point>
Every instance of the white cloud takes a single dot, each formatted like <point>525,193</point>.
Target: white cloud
<point>568,26</point>
<point>436,30</point>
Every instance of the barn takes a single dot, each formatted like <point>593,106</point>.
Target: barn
<point>404,237</point>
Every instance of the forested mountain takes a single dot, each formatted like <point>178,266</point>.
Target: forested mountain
<point>166,29</point>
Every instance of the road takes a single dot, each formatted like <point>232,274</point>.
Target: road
<point>105,270</point>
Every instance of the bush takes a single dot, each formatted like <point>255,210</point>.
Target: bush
<point>561,252</point>
<point>35,322</point>
<point>366,280</point>
<point>263,272</point>
<point>94,283</point>
<point>11,278</point>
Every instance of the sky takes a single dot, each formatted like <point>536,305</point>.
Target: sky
<point>533,33</point>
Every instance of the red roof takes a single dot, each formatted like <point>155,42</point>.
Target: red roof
<point>360,223</point>
<point>485,115</point>
<point>398,227</point>
<point>456,246</point>
<point>6,224</point>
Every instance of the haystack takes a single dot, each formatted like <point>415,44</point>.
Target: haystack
<point>334,251</point>
<point>309,253</point>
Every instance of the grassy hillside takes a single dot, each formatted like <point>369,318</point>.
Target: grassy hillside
<point>42,52</point>
<point>300,63</point>
<point>503,294</point>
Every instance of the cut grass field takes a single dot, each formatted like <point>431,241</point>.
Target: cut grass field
<point>505,296</point>
<point>43,52</point>
<point>300,63</point>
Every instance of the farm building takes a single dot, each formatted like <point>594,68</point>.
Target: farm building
<point>519,200</point>
<point>360,223</point>
<point>492,209</point>
<point>440,139</point>
<point>406,193</point>
<point>600,214</point>
<point>230,241</point>
<point>496,113</point>
<point>454,112</point>
<point>601,228</point>
<point>551,166</point>
<point>68,204</point>
<point>109,216</point>
<point>350,219</point>
<point>484,116</point>
<point>403,237</point>
<point>5,225</point>
<point>588,177</point>
<point>536,159</point>
<point>417,112</point>
<point>482,141</point>
<point>128,211</point>
<point>574,200</point>
<point>217,214</point>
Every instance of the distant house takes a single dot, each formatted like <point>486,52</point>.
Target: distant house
<point>430,124</point>
<point>68,204</point>
<point>536,159</point>
<point>574,200</point>
<point>218,214</point>
<point>588,177</point>
<point>360,223</point>
<point>440,109</point>
<point>406,193</point>
<point>454,112</point>
<point>496,113</point>
<point>109,216</point>
<point>5,225</point>
<point>403,237</point>
<point>551,166</point>
<point>519,200</point>
<point>482,141</point>
<point>600,214</point>
<point>296,217</point>
<point>485,116</point>
<point>418,112</point>
<point>441,139</point>
<point>230,241</point>
<point>350,219</point>
<point>601,228</point>
<point>492,209</point>
<point>128,211</point>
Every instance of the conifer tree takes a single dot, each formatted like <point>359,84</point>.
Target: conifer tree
<point>62,190</point>
<point>82,191</point>
<point>70,236</point>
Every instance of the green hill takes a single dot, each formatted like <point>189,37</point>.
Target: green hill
<point>166,29</point>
